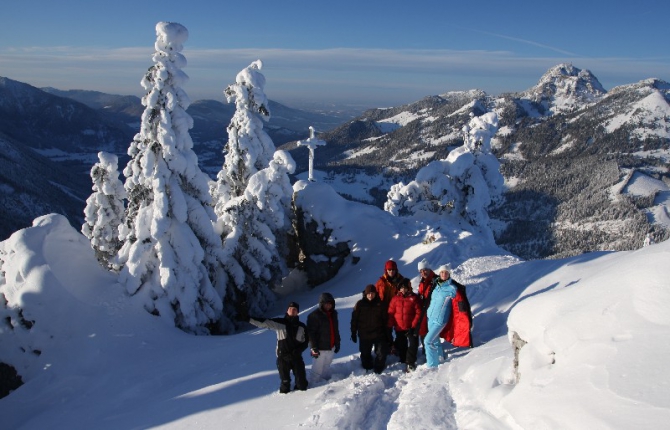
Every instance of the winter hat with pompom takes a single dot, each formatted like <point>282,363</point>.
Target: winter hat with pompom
<point>423,264</point>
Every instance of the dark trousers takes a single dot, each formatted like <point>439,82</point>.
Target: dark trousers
<point>406,347</point>
<point>381,346</point>
<point>291,363</point>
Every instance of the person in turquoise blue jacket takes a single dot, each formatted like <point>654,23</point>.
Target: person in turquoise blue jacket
<point>438,314</point>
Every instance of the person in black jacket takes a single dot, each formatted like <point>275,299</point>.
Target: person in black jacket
<point>324,337</point>
<point>292,340</point>
<point>368,327</point>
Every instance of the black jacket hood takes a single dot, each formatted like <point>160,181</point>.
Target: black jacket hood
<point>326,298</point>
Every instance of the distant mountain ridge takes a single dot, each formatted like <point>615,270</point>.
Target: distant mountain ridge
<point>49,145</point>
<point>51,123</point>
<point>568,149</point>
<point>565,144</point>
<point>54,136</point>
<point>210,121</point>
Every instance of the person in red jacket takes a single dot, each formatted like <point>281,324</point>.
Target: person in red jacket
<point>404,313</point>
<point>387,285</point>
<point>425,287</point>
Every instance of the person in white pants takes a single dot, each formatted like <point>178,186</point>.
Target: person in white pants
<point>324,337</point>
<point>321,366</point>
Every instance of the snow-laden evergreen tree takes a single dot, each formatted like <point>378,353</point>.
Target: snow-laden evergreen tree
<point>463,185</point>
<point>171,252</point>
<point>256,225</point>
<point>249,147</point>
<point>253,196</point>
<point>272,192</point>
<point>104,211</point>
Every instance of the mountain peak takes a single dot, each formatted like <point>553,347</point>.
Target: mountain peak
<point>564,88</point>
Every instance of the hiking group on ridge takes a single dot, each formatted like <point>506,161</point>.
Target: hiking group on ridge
<point>440,310</point>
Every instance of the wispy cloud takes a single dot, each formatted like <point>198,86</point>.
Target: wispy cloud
<point>527,42</point>
<point>380,75</point>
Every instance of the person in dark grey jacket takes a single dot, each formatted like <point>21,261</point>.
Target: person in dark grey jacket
<point>324,337</point>
<point>368,327</point>
<point>292,340</point>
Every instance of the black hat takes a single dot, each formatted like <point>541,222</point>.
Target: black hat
<point>294,305</point>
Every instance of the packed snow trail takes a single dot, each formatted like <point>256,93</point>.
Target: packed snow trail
<point>354,399</point>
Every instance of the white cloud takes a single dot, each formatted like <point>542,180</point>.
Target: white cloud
<point>380,76</point>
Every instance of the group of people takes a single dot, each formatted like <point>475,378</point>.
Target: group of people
<point>439,310</point>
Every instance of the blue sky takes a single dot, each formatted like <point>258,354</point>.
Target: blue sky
<point>374,53</point>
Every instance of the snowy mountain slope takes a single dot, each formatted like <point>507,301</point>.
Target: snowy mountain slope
<point>55,143</point>
<point>56,125</point>
<point>613,354</point>
<point>106,364</point>
<point>639,185</point>
<point>397,141</point>
<point>648,110</point>
<point>552,137</point>
<point>572,102</point>
<point>32,185</point>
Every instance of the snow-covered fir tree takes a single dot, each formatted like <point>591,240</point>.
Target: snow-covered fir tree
<point>272,191</point>
<point>253,196</point>
<point>104,211</point>
<point>462,186</point>
<point>249,147</point>
<point>171,252</point>
<point>257,224</point>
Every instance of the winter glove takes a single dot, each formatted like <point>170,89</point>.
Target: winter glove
<point>314,353</point>
<point>411,332</point>
<point>337,348</point>
<point>354,339</point>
